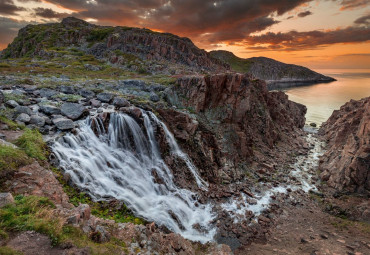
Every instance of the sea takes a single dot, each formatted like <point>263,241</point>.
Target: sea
<point>322,99</point>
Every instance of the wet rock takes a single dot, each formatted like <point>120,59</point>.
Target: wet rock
<point>12,103</point>
<point>37,120</point>
<point>23,117</point>
<point>120,102</point>
<point>73,111</point>
<point>86,93</point>
<point>63,123</point>
<point>95,103</point>
<point>105,97</point>
<point>49,109</point>
<point>48,93</point>
<point>154,97</point>
<point>6,199</point>
<point>313,124</point>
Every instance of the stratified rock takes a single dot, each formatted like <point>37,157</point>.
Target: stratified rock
<point>6,199</point>
<point>346,163</point>
<point>63,123</point>
<point>50,109</point>
<point>120,102</point>
<point>105,97</point>
<point>73,111</point>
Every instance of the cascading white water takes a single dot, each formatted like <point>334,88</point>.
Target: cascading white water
<point>120,162</point>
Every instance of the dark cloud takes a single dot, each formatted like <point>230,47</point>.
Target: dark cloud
<point>8,7</point>
<point>354,4</point>
<point>188,18</point>
<point>49,13</point>
<point>9,29</point>
<point>304,14</point>
<point>294,40</point>
<point>363,20</point>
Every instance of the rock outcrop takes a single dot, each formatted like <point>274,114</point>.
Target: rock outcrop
<point>346,164</point>
<point>246,118</point>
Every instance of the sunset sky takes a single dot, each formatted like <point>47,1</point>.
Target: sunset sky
<point>314,33</point>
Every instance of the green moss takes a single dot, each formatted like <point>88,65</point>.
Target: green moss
<point>68,97</point>
<point>32,143</point>
<point>4,65</point>
<point>11,124</point>
<point>10,96</point>
<point>100,209</point>
<point>99,34</point>
<point>12,158</point>
<point>9,251</point>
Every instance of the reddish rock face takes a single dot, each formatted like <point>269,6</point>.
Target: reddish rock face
<point>346,164</point>
<point>241,110</point>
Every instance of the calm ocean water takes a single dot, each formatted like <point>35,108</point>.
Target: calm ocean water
<point>322,99</point>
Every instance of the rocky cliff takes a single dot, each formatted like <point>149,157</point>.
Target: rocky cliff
<point>143,49</point>
<point>346,164</point>
<point>248,120</point>
<point>275,73</point>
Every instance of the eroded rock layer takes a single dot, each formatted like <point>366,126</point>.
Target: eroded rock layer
<point>346,164</point>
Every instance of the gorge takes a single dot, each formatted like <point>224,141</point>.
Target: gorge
<point>129,141</point>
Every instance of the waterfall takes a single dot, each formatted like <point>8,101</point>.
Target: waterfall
<point>121,162</point>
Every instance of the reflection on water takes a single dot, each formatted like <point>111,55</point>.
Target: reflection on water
<point>322,99</point>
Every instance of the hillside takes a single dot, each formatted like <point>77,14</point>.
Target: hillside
<point>134,48</point>
<point>275,73</point>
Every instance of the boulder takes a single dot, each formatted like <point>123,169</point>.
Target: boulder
<point>154,97</point>
<point>22,109</point>
<point>37,120</point>
<point>73,111</point>
<point>23,117</point>
<point>67,89</point>
<point>95,103</point>
<point>48,93</point>
<point>11,103</point>
<point>120,102</point>
<point>86,93</point>
<point>63,123</point>
<point>105,97</point>
<point>2,98</point>
<point>49,109</point>
<point>6,199</point>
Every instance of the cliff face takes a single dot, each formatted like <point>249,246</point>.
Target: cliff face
<point>246,117</point>
<point>275,73</point>
<point>346,164</point>
<point>118,45</point>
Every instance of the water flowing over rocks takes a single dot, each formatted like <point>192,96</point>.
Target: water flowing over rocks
<point>346,164</point>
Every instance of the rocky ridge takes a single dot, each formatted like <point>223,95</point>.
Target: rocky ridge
<point>276,74</point>
<point>346,164</point>
<point>134,48</point>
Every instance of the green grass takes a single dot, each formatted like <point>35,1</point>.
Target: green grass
<point>10,96</point>
<point>11,158</point>
<point>9,251</point>
<point>37,214</point>
<point>32,143</point>
<point>237,64</point>
<point>4,65</point>
<point>11,124</point>
<point>68,97</point>
<point>99,34</point>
